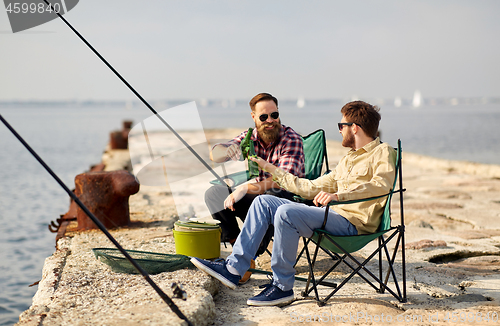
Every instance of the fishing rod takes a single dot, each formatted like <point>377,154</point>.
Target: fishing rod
<point>140,97</point>
<point>101,226</point>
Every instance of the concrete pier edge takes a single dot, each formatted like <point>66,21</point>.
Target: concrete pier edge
<point>77,289</point>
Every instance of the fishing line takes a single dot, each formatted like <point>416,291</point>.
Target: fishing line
<point>101,226</point>
<point>140,97</point>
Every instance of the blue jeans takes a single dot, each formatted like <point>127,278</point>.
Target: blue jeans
<point>291,221</point>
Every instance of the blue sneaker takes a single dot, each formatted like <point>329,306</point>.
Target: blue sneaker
<point>271,296</point>
<point>218,270</point>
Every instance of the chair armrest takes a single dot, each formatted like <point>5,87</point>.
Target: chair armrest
<point>299,199</point>
<point>237,178</point>
<point>302,200</point>
<point>334,202</point>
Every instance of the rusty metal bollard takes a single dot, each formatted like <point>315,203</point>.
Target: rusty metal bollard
<point>127,125</point>
<point>119,139</point>
<point>106,195</point>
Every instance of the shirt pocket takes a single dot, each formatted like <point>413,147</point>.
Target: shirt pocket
<point>360,172</point>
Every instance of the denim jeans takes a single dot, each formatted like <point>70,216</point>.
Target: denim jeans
<point>214,198</point>
<point>291,221</point>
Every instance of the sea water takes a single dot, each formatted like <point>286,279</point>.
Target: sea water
<point>71,139</point>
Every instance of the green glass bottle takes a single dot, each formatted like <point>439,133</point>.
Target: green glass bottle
<point>247,149</point>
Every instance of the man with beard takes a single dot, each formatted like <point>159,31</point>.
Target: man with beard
<point>367,170</point>
<point>278,144</point>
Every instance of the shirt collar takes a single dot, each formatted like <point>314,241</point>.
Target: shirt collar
<point>368,147</point>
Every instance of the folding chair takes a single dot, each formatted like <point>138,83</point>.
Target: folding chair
<point>315,154</point>
<point>341,247</point>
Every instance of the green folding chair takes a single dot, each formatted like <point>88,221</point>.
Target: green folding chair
<point>315,154</point>
<point>341,247</point>
<point>315,157</point>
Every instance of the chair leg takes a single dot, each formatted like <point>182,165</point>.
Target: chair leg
<point>311,272</point>
<point>402,297</point>
<point>302,251</point>
<point>306,291</point>
<point>381,290</point>
<point>361,266</point>
<point>391,266</point>
<point>393,259</point>
<point>340,259</point>
<point>393,272</point>
<point>403,259</point>
<point>322,281</point>
<point>356,271</point>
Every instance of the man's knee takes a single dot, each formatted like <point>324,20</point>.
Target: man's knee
<point>260,209</point>
<point>287,213</point>
<point>216,193</point>
<point>265,198</point>
<point>261,200</point>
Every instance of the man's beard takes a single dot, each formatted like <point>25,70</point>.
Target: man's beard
<point>269,135</point>
<point>348,140</point>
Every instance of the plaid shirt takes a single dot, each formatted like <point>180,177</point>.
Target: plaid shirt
<point>286,153</point>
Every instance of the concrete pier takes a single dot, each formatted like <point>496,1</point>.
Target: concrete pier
<point>452,214</point>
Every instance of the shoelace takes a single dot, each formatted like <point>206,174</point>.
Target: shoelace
<point>270,279</point>
<point>219,261</point>
<point>267,287</point>
<point>270,291</point>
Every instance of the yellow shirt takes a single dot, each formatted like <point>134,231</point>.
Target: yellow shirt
<point>367,172</point>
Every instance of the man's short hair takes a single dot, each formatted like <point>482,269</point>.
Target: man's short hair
<point>262,97</point>
<point>365,115</point>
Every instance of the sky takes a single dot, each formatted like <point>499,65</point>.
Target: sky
<point>236,49</point>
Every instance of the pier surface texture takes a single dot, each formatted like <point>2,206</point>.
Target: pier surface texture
<point>452,212</point>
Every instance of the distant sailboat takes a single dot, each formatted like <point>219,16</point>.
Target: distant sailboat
<point>417,99</point>
<point>398,102</point>
<point>203,102</point>
<point>301,102</point>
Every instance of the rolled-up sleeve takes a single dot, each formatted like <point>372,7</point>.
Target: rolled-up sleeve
<point>236,140</point>
<point>303,187</point>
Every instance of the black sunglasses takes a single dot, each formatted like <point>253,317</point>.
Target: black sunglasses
<point>275,115</point>
<point>342,124</point>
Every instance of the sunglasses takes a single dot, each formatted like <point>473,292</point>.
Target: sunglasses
<point>275,115</point>
<point>342,124</point>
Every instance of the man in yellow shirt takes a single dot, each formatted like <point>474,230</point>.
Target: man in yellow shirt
<point>367,170</point>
